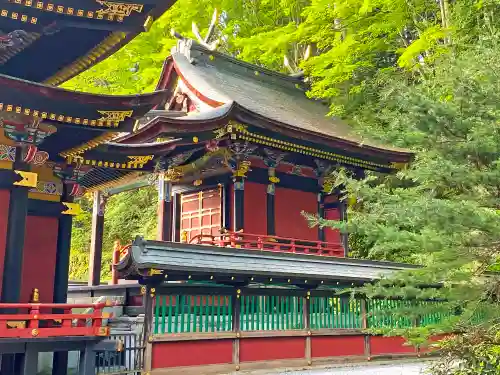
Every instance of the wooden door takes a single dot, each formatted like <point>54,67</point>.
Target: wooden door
<point>201,213</point>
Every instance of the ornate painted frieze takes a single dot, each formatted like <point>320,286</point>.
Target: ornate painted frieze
<point>7,153</point>
<point>48,187</point>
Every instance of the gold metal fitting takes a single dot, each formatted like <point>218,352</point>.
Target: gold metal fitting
<point>35,316</point>
<point>237,367</point>
<point>238,335</point>
<point>35,295</point>
<point>120,346</point>
<point>308,333</point>
<point>309,363</point>
<point>34,332</point>
<point>103,331</point>
<point>143,290</point>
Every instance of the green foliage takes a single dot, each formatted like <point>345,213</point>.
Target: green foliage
<point>442,211</point>
<point>127,215</point>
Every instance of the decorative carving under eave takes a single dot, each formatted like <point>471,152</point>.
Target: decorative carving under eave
<point>327,184</point>
<point>77,191</point>
<point>243,167</point>
<point>138,161</point>
<point>24,129</point>
<point>114,116</point>
<point>325,178</point>
<point>117,9</point>
<point>31,155</point>
<point>231,128</point>
<point>173,175</point>
<point>242,150</point>
<point>273,157</point>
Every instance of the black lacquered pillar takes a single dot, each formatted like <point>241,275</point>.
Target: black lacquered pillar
<point>344,236</point>
<point>16,230</point>
<point>13,259</point>
<point>239,203</point>
<point>63,252</point>
<point>96,238</point>
<point>321,214</point>
<point>165,212</point>
<point>270,202</point>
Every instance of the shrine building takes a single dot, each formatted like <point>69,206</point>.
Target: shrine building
<point>235,278</point>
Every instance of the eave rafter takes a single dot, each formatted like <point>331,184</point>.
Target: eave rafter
<point>87,146</point>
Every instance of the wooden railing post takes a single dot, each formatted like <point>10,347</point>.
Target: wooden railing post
<point>236,310</point>
<point>148,295</point>
<point>320,249</point>
<point>307,327</point>
<point>116,259</point>
<point>364,317</point>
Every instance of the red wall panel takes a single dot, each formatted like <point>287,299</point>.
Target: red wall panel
<point>255,215</point>
<point>433,341</point>
<point>267,349</point>
<point>191,353</point>
<point>389,345</point>
<point>333,346</point>
<point>289,220</point>
<point>332,235</point>
<point>4,218</point>
<point>39,258</point>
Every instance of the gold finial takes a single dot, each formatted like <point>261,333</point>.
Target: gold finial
<point>35,295</point>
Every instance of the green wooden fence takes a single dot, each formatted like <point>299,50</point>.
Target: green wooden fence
<point>335,312</point>
<point>178,313</point>
<point>192,313</point>
<point>270,313</point>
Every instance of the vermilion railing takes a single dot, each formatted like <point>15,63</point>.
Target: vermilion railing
<point>37,320</point>
<point>270,243</point>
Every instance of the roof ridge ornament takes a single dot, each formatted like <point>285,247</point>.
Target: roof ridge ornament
<point>293,64</point>
<point>205,42</point>
<point>184,46</point>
